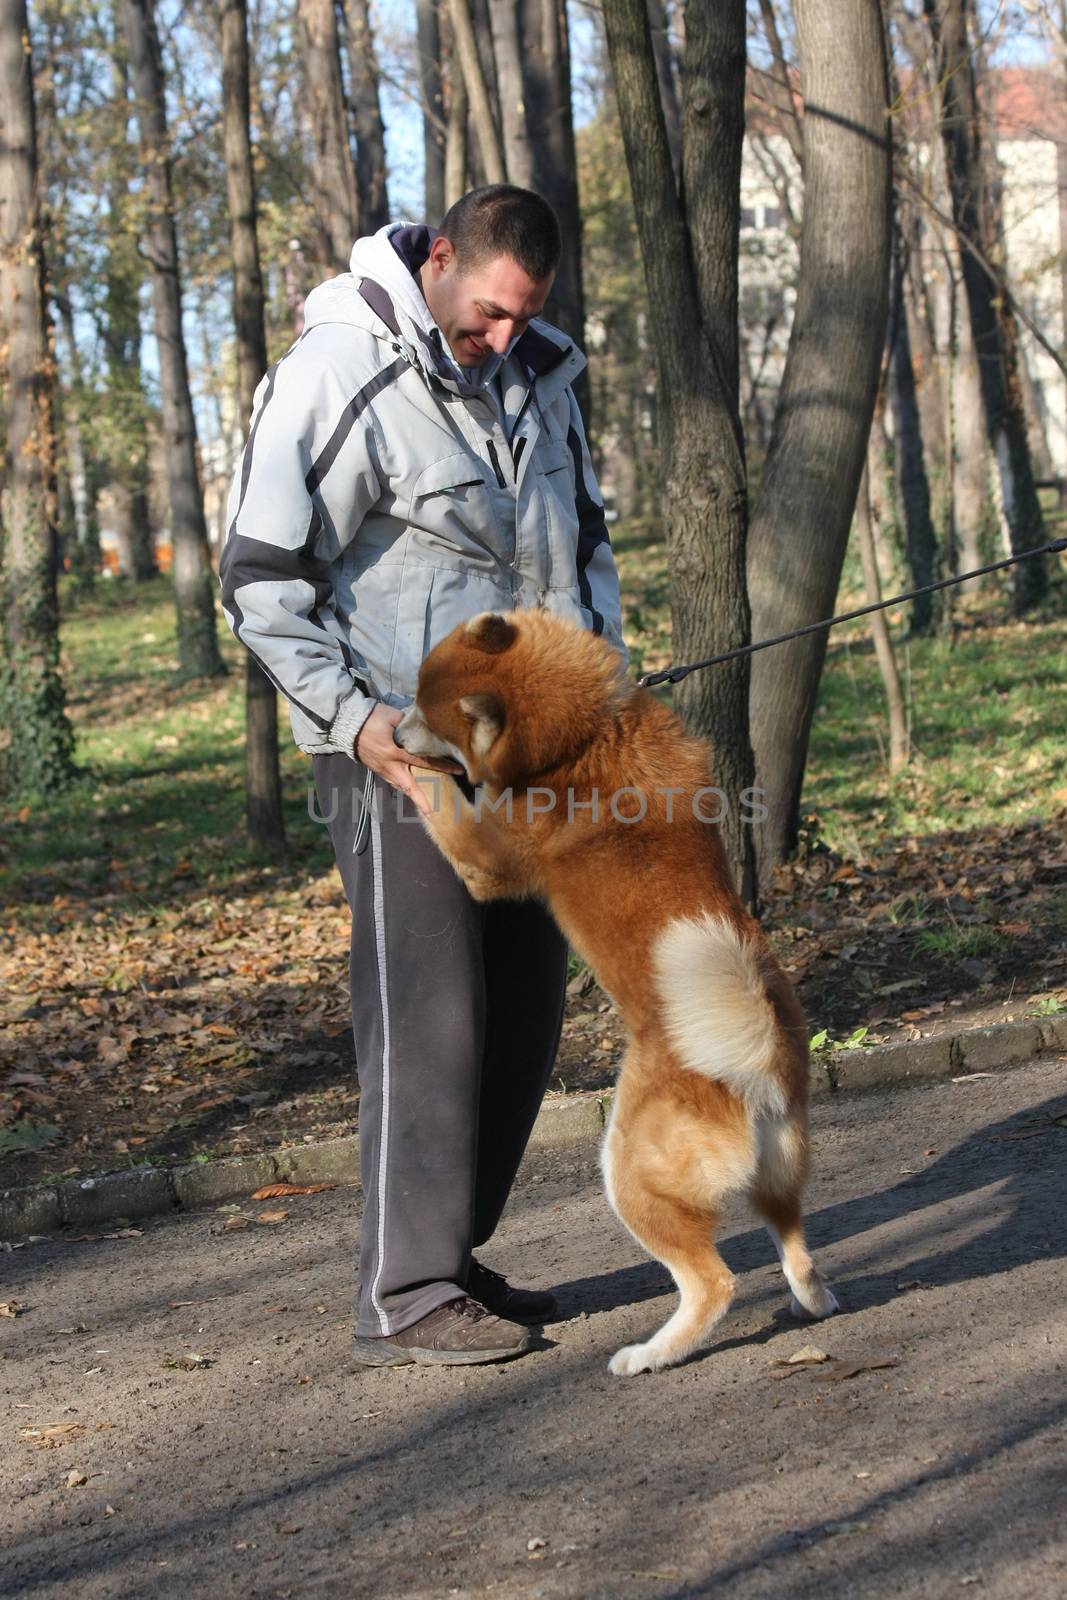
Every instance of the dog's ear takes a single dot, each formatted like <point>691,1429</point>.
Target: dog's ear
<point>485,713</point>
<point>491,632</point>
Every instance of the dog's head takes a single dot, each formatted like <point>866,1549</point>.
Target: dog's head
<point>511,696</point>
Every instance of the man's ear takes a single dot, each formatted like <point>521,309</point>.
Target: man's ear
<point>491,632</point>
<point>485,713</point>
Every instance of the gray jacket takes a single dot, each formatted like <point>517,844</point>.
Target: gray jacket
<point>384,496</point>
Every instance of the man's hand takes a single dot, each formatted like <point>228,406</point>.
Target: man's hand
<point>376,749</point>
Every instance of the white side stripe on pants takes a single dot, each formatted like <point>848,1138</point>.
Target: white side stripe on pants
<point>383,996</point>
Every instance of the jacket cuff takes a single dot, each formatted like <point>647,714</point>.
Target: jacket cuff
<point>345,729</point>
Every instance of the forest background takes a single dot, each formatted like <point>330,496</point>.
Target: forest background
<point>816,255</point>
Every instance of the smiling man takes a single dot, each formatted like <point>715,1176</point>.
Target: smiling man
<point>416,458</point>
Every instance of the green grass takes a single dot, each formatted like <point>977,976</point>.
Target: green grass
<point>956,942</point>
<point>989,735</point>
<point>160,800</point>
<point>987,705</point>
<point>160,797</point>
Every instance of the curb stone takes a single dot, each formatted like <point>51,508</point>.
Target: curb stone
<point>572,1120</point>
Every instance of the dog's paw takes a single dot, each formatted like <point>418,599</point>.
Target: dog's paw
<point>631,1359</point>
<point>821,1303</point>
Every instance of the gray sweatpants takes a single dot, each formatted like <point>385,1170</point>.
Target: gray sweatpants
<point>456,1015</point>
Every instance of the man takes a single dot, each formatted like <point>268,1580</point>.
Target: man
<point>416,458</point>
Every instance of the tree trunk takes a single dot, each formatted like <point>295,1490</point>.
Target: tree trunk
<point>972,508</point>
<point>428,46</point>
<point>801,520</point>
<point>690,263</point>
<point>336,191</point>
<point>883,643</point>
<point>367,118</point>
<point>456,137</point>
<point>547,79</point>
<point>505,17</point>
<point>263,789</point>
<point>910,465</point>
<point>39,757</point>
<point>128,447</point>
<point>659,23</point>
<point>465,47</point>
<point>198,649</point>
<point>992,316</point>
<point>83,472</point>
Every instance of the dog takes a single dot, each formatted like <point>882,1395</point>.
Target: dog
<point>586,792</point>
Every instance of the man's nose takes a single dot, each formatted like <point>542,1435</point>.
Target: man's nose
<point>500,336</point>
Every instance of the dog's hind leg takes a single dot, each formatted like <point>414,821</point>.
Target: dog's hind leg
<point>775,1195</point>
<point>679,1235</point>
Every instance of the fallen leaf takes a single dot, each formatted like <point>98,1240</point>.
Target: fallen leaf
<point>807,1355</point>
<point>273,1216</point>
<point>851,1369</point>
<point>274,1191</point>
<point>75,1479</point>
<point>232,1224</point>
<point>48,1438</point>
<point>12,1308</point>
<point>193,1362</point>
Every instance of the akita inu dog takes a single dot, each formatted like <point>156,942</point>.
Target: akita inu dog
<point>590,796</point>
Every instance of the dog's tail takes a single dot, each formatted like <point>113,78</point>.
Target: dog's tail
<point>719,1015</point>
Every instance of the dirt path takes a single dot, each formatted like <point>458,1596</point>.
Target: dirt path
<point>277,1471</point>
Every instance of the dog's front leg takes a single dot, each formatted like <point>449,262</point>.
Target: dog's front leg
<point>473,842</point>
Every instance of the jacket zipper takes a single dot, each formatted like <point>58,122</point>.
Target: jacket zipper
<point>502,482</point>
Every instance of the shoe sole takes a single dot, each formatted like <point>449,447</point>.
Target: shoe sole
<point>364,1354</point>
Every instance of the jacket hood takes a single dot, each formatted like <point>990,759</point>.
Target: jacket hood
<point>381,288</point>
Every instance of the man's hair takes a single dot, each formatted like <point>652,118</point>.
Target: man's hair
<point>503,220</point>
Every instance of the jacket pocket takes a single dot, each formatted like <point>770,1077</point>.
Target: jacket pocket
<point>552,455</point>
<point>452,514</point>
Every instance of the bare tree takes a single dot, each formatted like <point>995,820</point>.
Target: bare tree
<point>547,94</point>
<point>127,432</point>
<point>659,23</point>
<point>456,135</point>
<point>506,19</point>
<point>198,648</point>
<point>689,248</point>
<point>366,117</point>
<point>428,46</point>
<point>465,47</point>
<point>992,317</point>
<point>39,756</point>
<point>910,465</point>
<point>336,190</point>
<point>263,789</point>
<point>880,635</point>
<point>801,521</point>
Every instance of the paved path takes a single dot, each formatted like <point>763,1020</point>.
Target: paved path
<point>277,1471</point>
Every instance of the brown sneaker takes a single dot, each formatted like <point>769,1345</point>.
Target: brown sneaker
<point>493,1291</point>
<point>461,1333</point>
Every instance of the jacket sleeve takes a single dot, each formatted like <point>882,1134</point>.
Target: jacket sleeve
<point>287,527</point>
<point>598,578</point>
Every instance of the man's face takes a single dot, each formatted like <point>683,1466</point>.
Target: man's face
<point>483,308</point>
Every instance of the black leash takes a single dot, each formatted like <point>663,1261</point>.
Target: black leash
<point>676,674</point>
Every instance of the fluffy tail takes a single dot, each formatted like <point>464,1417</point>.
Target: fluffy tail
<point>718,1013</point>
